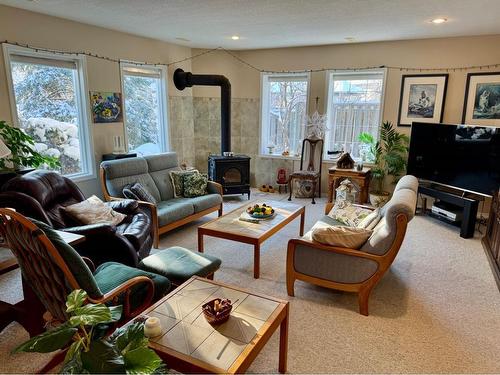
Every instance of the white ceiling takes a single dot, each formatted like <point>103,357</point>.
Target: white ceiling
<point>277,23</point>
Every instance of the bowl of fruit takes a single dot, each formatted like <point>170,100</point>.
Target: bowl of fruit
<point>261,211</point>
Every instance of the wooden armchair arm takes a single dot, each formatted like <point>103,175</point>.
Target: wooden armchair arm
<point>215,186</point>
<point>126,288</point>
<point>334,249</point>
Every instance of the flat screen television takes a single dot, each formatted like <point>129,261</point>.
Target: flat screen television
<point>460,156</point>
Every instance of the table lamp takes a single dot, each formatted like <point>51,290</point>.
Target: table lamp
<point>4,150</point>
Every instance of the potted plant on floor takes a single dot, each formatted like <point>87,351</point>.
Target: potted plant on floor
<point>389,158</point>
<point>90,350</point>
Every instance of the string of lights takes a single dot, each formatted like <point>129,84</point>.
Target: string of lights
<point>251,66</point>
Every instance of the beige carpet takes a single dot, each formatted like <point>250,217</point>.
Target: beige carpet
<point>436,311</point>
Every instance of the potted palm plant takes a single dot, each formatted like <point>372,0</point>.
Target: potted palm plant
<point>389,158</point>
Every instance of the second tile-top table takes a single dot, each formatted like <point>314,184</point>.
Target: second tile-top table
<point>230,227</point>
<point>189,344</point>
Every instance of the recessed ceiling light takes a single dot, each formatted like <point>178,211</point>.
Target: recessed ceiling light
<point>439,20</point>
<point>235,37</point>
<point>182,39</point>
<point>350,39</point>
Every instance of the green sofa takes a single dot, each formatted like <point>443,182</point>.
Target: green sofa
<point>153,172</point>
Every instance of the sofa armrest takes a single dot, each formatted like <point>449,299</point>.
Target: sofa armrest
<point>335,249</point>
<point>124,206</point>
<point>214,188</point>
<point>91,229</point>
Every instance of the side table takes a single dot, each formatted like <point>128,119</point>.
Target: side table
<point>361,178</point>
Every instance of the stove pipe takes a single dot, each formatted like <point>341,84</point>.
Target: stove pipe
<point>184,79</point>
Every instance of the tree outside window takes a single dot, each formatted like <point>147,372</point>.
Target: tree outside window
<point>284,110</point>
<point>47,110</point>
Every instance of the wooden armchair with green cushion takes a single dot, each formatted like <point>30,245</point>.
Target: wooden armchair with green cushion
<point>53,269</point>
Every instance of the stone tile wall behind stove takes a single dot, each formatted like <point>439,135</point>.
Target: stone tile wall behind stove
<point>195,132</point>
<point>244,130</point>
<point>182,128</point>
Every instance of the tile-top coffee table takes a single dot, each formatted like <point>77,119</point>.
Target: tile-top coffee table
<point>189,344</point>
<point>230,227</point>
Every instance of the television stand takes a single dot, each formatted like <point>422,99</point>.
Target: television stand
<point>464,202</point>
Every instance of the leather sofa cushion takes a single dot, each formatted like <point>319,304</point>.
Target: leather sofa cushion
<point>174,210</point>
<point>52,191</point>
<point>204,202</point>
<point>136,229</point>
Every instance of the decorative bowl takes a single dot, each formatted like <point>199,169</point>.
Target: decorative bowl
<point>217,311</point>
<point>261,211</point>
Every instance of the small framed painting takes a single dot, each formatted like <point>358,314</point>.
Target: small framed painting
<point>482,99</point>
<point>106,107</point>
<point>422,98</point>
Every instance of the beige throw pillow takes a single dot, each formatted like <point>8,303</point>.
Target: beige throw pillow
<point>348,214</point>
<point>370,221</point>
<point>350,237</point>
<point>94,211</point>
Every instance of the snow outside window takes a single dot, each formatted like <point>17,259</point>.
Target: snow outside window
<point>48,94</point>
<point>145,104</point>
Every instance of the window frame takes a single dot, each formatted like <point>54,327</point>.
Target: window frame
<point>165,145</point>
<point>82,99</point>
<point>264,106</point>
<point>329,103</point>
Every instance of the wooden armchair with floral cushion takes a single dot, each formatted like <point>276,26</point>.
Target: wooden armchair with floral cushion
<point>53,269</point>
<point>355,270</point>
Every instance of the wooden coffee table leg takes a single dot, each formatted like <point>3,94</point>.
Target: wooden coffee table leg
<point>256,260</point>
<point>200,241</point>
<point>284,342</point>
<point>302,221</point>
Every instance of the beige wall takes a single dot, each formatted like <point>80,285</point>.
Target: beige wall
<point>51,32</point>
<point>430,53</point>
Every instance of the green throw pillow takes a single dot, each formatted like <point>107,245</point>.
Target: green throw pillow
<point>177,178</point>
<point>195,185</point>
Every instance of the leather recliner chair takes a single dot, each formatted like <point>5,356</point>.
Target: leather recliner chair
<point>42,195</point>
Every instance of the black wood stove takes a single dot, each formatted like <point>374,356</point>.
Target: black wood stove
<point>232,172</point>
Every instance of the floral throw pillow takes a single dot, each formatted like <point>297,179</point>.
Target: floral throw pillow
<point>348,214</point>
<point>177,178</point>
<point>195,184</point>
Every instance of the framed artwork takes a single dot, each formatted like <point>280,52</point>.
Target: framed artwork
<point>482,99</point>
<point>422,98</point>
<point>106,107</point>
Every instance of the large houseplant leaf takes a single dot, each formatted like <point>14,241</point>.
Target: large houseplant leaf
<point>91,314</point>
<point>103,358</point>
<point>142,361</point>
<point>49,341</point>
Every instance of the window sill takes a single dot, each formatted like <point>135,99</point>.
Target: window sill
<point>277,156</point>
<point>81,177</point>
